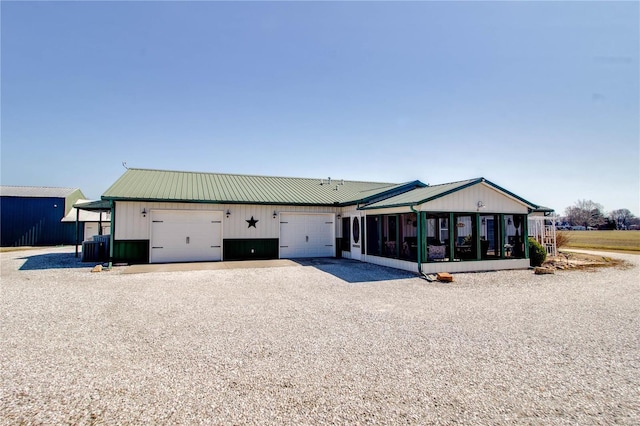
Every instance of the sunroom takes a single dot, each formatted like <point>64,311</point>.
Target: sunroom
<point>471,225</point>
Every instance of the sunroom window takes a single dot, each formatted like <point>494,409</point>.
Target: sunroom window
<point>514,238</point>
<point>465,234</point>
<point>490,236</point>
<point>437,237</point>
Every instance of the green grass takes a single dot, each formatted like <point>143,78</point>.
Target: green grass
<point>626,241</point>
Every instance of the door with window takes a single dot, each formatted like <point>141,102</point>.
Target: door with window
<point>356,237</point>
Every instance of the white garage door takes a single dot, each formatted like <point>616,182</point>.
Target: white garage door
<point>306,235</point>
<point>185,236</point>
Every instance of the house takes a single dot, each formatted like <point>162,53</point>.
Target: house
<point>170,216</point>
<point>31,216</point>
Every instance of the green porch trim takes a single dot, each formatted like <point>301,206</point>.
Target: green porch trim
<point>525,235</point>
<point>476,218</point>
<point>112,205</point>
<point>422,240</point>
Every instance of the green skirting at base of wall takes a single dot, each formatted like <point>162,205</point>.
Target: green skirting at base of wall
<point>244,249</point>
<point>131,251</point>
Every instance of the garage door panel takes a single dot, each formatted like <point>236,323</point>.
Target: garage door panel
<point>306,235</point>
<point>186,236</point>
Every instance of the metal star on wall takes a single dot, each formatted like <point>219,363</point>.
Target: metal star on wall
<point>252,222</point>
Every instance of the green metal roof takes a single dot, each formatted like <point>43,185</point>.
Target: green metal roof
<point>429,193</point>
<point>94,206</point>
<point>162,185</point>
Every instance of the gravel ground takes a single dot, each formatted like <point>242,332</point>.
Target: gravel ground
<point>322,342</point>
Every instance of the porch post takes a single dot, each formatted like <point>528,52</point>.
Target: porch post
<point>477,237</point>
<point>113,229</point>
<point>525,236</point>
<point>77,229</point>
<point>501,234</point>
<point>422,236</point>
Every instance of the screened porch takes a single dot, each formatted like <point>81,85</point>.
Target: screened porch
<point>447,237</point>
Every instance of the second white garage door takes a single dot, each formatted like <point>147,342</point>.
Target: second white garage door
<point>185,236</point>
<point>307,235</point>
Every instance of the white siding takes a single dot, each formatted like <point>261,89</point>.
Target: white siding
<point>130,224</point>
<point>466,200</point>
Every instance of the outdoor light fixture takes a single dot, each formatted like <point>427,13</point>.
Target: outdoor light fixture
<point>480,205</point>
<point>275,214</point>
<point>144,212</point>
<point>338,216</point>
<point>228,213</point>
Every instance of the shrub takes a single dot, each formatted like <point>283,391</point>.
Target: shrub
<point>537,253</point>
<point>562,239</point>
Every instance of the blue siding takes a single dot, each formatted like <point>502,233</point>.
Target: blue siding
<point>35,222</point>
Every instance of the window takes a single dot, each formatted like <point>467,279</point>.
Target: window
<point>490,236</point>
<point>514,235</point>
<point>393,235</point>
<point>465,237</point>
<point>437,230</point>
<point>373,235</point>
<point>346,236</point>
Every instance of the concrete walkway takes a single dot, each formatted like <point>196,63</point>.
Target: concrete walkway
<point>208,266</point>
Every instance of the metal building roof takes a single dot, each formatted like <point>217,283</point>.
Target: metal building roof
<point>35,191</point>
<point>162,185</point>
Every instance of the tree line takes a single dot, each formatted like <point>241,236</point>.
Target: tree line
<point>590,214</point>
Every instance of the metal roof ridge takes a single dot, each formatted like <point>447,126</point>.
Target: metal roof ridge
<point>479,179</point>
<point>40,186</point>
<point>259,176</point>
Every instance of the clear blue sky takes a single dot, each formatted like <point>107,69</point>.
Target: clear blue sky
<point>541,98</point>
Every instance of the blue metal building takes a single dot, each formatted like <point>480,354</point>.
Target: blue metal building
<point>31,216</point>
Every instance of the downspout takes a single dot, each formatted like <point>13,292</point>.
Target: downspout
<point>419,239</point>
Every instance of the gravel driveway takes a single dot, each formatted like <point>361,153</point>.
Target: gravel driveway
<point>319,342</point>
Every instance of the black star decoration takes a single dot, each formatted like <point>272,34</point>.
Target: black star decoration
<point>252,222</point>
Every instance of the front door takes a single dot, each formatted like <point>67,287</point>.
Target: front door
<point>356,237</point>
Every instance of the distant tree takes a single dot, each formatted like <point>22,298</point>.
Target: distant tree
<point>585,213</point>
<point>622,218</point>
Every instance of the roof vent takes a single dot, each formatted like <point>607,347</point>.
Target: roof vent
<point>342,182</point>
<point>329,180</point>
<point>321,181</point>
<point>336,187</point>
